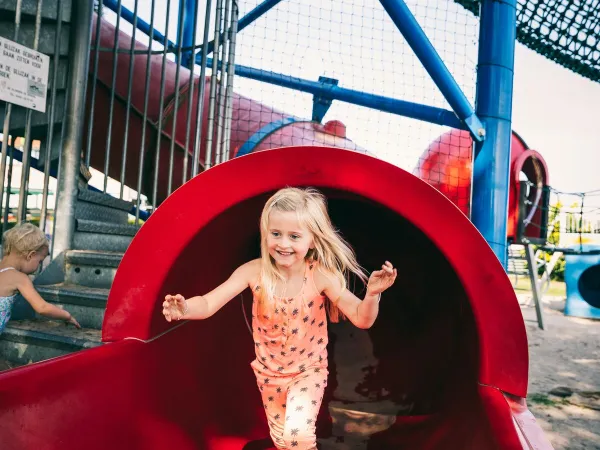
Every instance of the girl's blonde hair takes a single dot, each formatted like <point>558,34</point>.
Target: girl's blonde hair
<point>333,255</point>
<point>24,238</point>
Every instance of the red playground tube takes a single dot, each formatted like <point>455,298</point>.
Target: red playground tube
<point>447,165</point>
<point>444,367</point>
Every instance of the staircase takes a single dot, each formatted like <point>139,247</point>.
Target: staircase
<point>77,280</point>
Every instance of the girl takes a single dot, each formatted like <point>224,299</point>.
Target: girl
<point>25,247</point>
<point>300,275</point>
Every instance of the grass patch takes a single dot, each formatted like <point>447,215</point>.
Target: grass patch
<point>546,400</point>
<point>556,288</point>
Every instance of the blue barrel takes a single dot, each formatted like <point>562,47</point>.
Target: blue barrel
<point>582,277</point>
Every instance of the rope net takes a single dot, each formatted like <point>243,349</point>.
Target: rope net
<point>565,31</point>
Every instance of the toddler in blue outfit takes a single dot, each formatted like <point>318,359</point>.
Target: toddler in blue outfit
<point>25,247</point>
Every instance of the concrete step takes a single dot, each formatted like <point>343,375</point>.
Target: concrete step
<point>103,236</point>
<point>100,207</point>
<point>29,341</point>
<point>107,200</point>
<point>91,268</point>
<point>86,304</point>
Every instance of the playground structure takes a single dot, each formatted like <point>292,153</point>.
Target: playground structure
<point>444,166</point>
<point>452,381</point>
<point>467,393</point>
<point>253,126</point>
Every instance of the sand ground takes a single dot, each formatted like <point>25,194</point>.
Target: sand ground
<point>564,375</point>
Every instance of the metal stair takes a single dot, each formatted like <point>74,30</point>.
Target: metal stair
<point>78,280</point>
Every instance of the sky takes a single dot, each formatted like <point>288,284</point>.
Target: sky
<point>558,113</point>
<point>554,110</point>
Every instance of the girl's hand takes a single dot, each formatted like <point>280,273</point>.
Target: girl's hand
<point>73,321</point>
<point>382,279</point>
<point>174,307</point>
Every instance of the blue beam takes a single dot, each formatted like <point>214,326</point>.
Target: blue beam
<point>265,6</point>
<point>189,22</point>
<point>257,12</point>
<point>378,102</point>
<point>141,25</point>
<point>420,44</point>
<point>491,174</point>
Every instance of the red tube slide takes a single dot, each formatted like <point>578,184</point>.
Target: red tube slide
<point>443,368</point>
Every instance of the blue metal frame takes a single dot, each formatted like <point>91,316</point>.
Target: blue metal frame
<point>417,111</point>
<point>141,25</point>
<point>378,102</point>
<point>187,40</point>
<point>418,41</point>
<point>261,9</point>
<point>493,103</point>
<point>249,18</point>
<point>491,174</point>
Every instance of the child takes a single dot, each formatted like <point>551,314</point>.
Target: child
<point>301,273</point>
<point>25,247</point>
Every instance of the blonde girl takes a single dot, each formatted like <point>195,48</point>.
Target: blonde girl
<point>24,248</point>
<point>299,278</point>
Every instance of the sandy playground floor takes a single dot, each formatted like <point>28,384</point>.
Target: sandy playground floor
<point>564,375</point>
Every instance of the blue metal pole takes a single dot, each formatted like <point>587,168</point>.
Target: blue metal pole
<point>128,15</point>
<point>378,102</point>
<point>187,40</point>
<point>418,41</point>
<point>491,174</point>
<point>256,13</point>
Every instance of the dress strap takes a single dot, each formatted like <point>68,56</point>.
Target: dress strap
<point>7,268</point>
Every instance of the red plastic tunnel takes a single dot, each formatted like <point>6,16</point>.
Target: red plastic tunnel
<point>447,165</point>
<point>444,367</point>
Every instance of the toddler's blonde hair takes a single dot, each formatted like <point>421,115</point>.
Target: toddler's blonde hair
<point>23,239</point>
<point>333,255</point>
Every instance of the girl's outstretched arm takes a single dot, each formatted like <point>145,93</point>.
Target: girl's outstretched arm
<point>361,313</point>
<point>39,305</point>
<point>176,307</point>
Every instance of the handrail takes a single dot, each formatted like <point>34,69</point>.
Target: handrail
<point>18,156</point>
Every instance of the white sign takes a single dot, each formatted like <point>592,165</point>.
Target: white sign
<point>23,75</point>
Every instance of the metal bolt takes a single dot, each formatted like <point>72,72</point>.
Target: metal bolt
<point>481,132</point>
